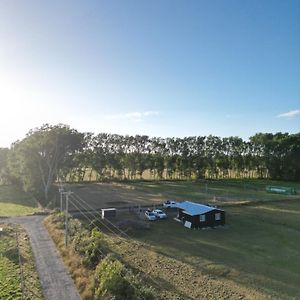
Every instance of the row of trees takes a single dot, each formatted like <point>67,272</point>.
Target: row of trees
<point>53,152</point>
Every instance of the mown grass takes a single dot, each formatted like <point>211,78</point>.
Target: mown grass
<point>257,249</point>
<point>14,202</point>
<point>18,278</point>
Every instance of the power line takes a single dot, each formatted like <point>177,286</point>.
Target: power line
<point>93,209</point>
<point>77,201</point>
<point>73,195</point>
<point>138,246</point>
<point>101,222</point>
<point>90,220</point>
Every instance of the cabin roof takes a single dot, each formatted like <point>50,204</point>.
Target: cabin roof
<point>194,209</point>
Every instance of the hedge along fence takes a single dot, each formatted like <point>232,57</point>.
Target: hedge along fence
<point>111,279</point>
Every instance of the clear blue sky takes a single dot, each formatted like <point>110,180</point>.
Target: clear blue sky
<point>161,68</point>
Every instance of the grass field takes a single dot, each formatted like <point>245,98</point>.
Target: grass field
<point>255,256</point>
<point>257,249</point>
<point>18,278</point>
<point>14,202</point>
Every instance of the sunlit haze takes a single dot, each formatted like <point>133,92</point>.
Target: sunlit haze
<point>161,68</point>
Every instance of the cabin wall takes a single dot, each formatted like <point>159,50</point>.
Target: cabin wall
<point>209,219</point>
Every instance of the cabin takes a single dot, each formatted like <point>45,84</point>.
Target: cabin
<point>195,215</point>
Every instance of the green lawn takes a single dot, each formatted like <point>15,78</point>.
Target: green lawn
<point>258,248</point>
<point>14,202</point>
<point>10,270</point>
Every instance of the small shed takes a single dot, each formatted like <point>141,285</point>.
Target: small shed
<point>195,215</point>
<point>108,213</point>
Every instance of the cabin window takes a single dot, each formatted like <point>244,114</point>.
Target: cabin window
<point>202,218</point>
<point>218,216</point>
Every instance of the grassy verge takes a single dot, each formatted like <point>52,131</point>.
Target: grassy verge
<point>14,202</point>
<point>18,277</point>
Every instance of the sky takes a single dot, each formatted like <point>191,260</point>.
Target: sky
<point>163,68</point>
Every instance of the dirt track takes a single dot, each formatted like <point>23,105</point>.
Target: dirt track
<point>55,281</point>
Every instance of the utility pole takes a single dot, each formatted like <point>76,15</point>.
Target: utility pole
<point>66,216</point>
<point>61,191</point>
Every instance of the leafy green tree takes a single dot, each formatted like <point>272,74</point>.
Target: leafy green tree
<point>36,160</point>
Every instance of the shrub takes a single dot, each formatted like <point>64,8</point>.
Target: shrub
<point>75,226</point>
<point>59,219</point>
<point>90,245</point>
<point>110,281</point>
<point>113,281</point>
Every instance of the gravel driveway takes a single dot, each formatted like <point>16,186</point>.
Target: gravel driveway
<point>55,280</point>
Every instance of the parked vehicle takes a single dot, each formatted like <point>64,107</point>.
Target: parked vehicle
<point>170,204</point>
<point>150,215</point>
<point>159,214</point>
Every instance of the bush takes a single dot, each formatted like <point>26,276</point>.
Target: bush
<point>110,281</point>
<point>75,226</point>
<point>113,281</point>
<point>90,245</point>
<point>59,219</point>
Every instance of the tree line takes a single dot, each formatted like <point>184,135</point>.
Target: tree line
<point>54,152</point>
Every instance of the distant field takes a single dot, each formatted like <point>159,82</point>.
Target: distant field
<point>221,192</point>
<point>15,203</point>
<point>12,286</point>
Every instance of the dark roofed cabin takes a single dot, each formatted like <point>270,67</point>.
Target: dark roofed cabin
<point>200,215</point>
